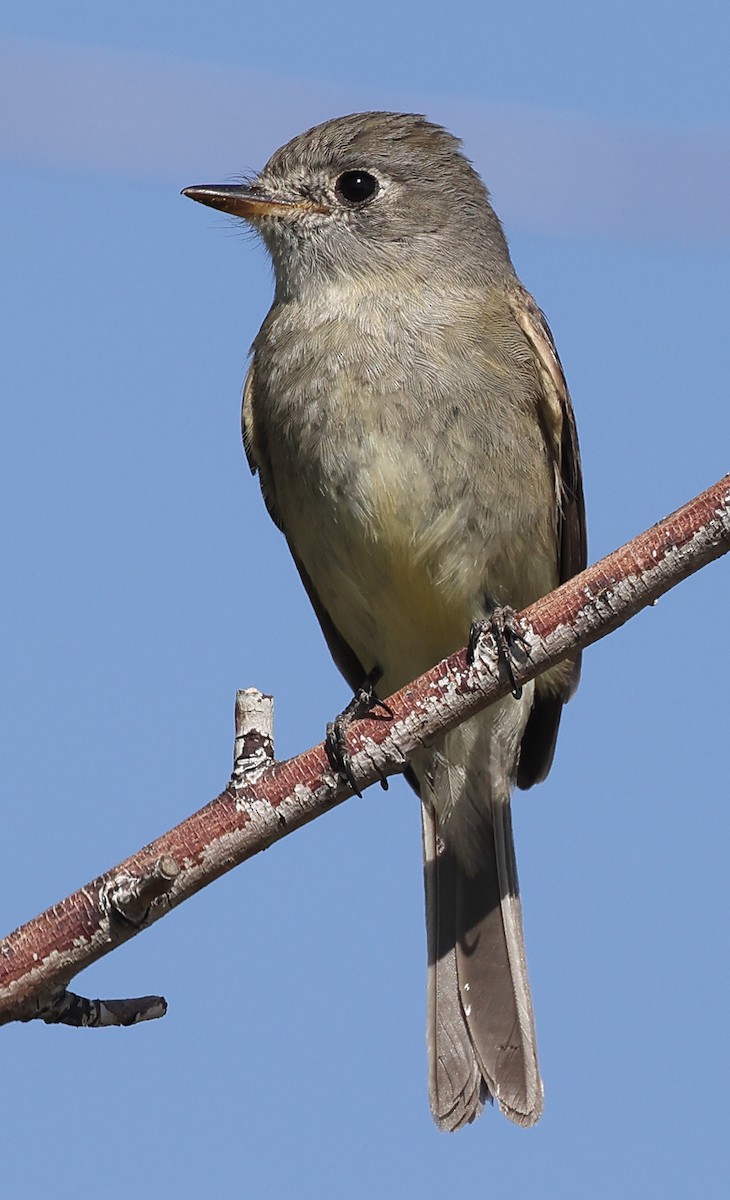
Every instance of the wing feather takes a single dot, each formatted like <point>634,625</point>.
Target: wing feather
<point>556,413</point>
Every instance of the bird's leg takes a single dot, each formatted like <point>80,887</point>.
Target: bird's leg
<point>362,704</point>
<point>509,640</point>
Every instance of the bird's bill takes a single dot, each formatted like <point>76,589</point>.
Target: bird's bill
<point>247,200</point>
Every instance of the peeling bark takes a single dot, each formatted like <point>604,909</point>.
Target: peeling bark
<point>265,800</point>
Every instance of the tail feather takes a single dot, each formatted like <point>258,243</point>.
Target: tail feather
<point>481,1032</point>
<point>456,1088</point>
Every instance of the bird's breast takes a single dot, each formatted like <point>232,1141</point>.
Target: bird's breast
<point>401,475</point>
<point>395,554</point>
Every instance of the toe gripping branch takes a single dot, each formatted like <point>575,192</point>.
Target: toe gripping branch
<point>363,704</point>
<point>511,644</point>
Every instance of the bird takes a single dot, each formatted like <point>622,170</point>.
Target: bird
<point>408,418</point>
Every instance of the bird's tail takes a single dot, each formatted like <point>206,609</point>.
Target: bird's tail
<point>481,1033</point>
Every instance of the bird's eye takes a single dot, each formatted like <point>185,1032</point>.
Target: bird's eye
<point>355,187</point>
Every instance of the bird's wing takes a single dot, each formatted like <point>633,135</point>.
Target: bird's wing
<point>254,445</point>
<point>556,414</point>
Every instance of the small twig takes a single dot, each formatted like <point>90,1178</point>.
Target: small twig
<point>253,747</point>
<point>38,961</point>
<point>129,897</point>
<point>69,1009</point>
<point>125,899</point>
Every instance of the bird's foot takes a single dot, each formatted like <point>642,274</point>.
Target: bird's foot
<point>362,704</point>
<point>512,645</point>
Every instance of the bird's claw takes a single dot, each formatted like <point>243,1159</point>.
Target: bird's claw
<point>508,637</point>
<point>362,705</point>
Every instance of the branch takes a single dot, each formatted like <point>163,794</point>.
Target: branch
<point>266,800</point>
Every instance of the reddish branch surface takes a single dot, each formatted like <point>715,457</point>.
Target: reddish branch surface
<point>265,801</point>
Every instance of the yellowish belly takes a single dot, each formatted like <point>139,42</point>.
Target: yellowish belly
<point>400,580</point>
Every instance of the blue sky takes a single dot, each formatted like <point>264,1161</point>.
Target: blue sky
<point>143,584</point>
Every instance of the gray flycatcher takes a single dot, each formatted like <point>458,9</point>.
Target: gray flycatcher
<point>408,417</point>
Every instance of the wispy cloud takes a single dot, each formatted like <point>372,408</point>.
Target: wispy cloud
<point>141,116</point>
